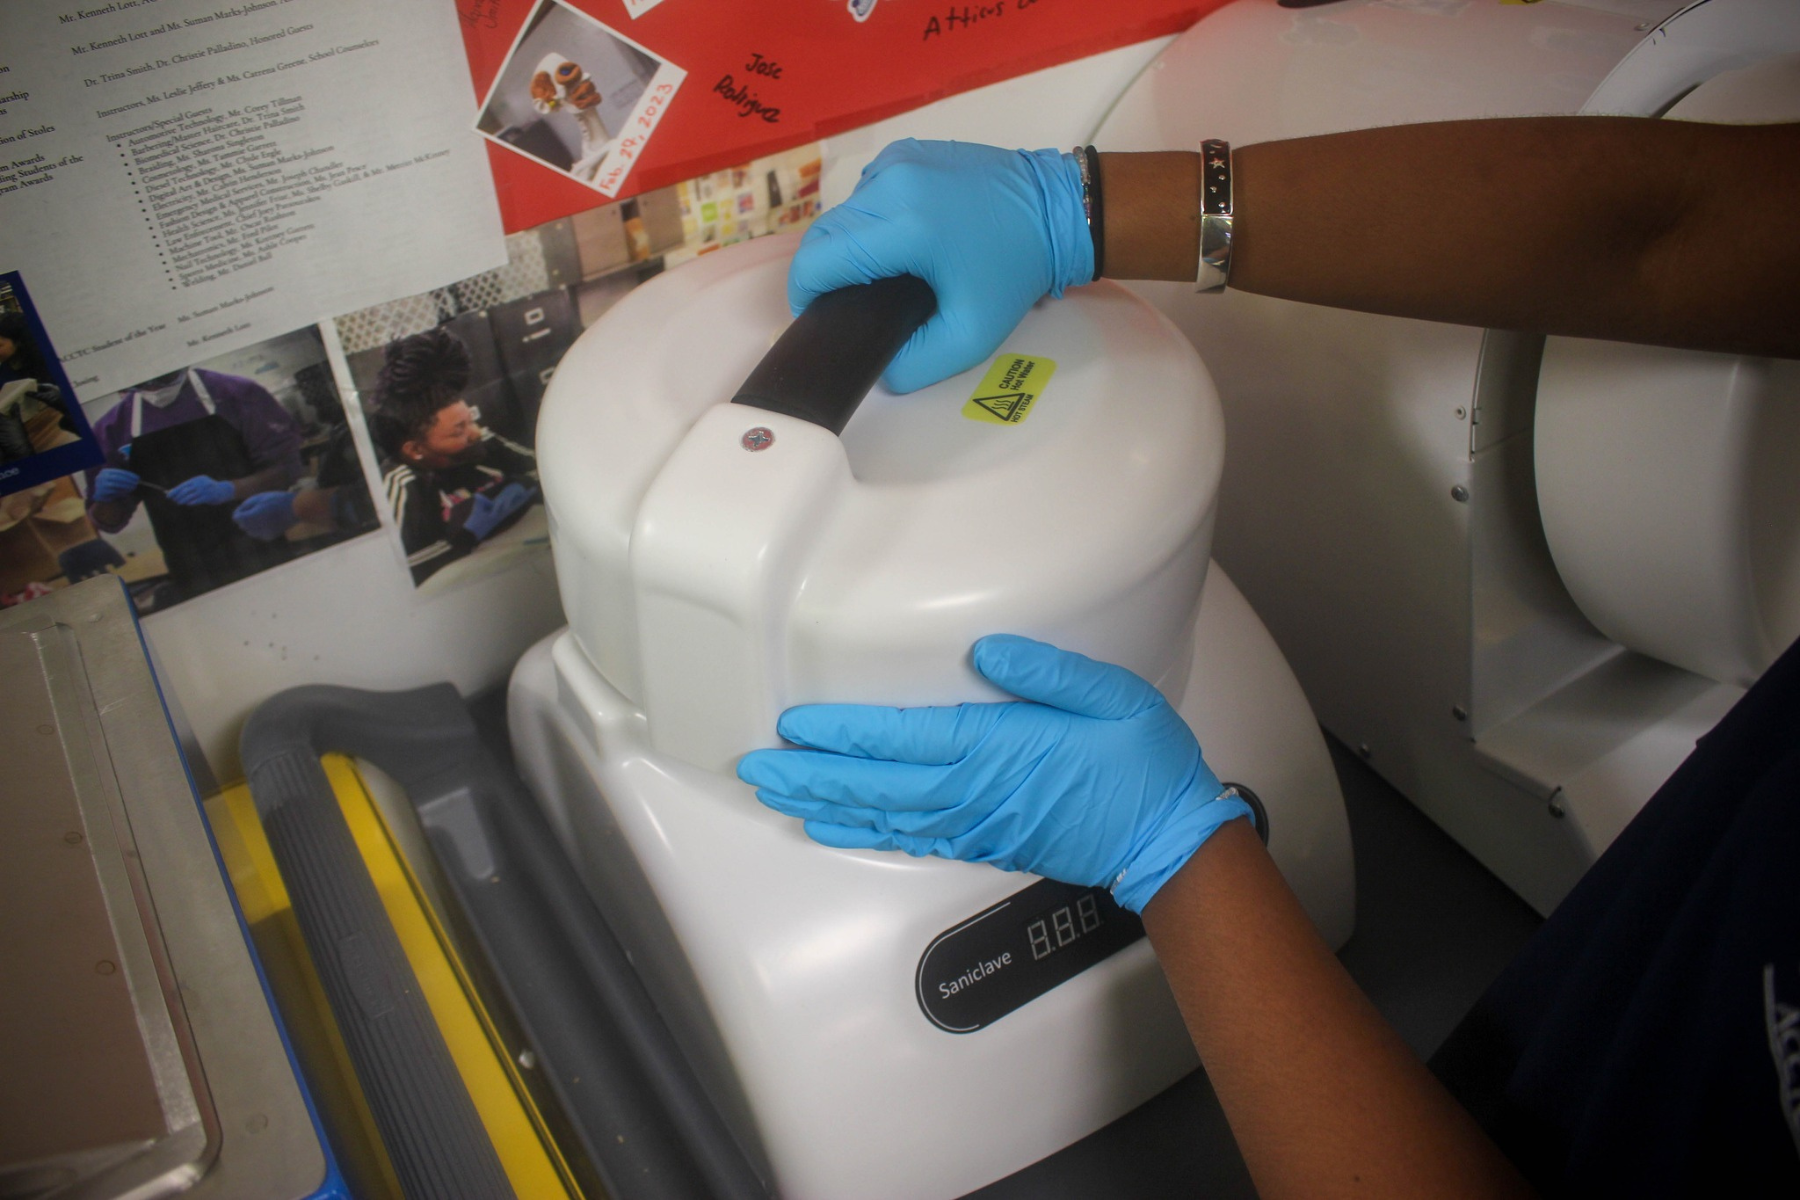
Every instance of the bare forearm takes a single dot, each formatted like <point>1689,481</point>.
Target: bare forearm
<point>1152,214</point>
<point>1322,1095</point>
<point>1665,232</point>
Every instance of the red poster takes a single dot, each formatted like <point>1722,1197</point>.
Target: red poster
<point>602,99</point>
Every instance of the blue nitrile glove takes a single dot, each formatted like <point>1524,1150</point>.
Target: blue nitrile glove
<point>991,230</point>
<point>266,515</point>
<point>203,489</point>
<point>115,483</point>
<point>1094,779</point>
<point>487,513</point>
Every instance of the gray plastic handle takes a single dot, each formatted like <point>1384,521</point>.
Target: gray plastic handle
<point>623,1101</point>
<point>428,1123</point>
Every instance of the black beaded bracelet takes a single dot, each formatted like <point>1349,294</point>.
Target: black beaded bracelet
<point>1096,209</point>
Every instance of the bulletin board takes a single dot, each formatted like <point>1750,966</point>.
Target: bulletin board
<point>730,81</point>
<point>294,194</point>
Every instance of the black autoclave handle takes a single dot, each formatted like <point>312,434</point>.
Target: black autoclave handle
<point>829,358</point>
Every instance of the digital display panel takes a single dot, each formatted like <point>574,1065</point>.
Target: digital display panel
<point>1062,925</point>
<point>1003,958</point>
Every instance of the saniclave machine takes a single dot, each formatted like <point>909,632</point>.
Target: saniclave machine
<point>729,542</point>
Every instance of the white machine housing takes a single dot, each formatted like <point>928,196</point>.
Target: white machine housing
<point>1521,575</point>
<point>716,587</point>
<point>709,585</point>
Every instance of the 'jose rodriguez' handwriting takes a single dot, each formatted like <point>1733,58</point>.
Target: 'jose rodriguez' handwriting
<point>748,103</point>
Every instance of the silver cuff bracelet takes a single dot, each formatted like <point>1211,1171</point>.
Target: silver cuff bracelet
<point>1215,216</point>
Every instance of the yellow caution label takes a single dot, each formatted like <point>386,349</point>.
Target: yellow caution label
<point>1010,388</point>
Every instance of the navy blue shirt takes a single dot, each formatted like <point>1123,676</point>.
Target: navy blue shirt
<point>1647,1040</point>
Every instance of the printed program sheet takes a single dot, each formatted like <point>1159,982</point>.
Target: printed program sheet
<point>180,179</point>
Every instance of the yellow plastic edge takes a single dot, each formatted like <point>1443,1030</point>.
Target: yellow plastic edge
<point>530,1158</point>
<point>313,1031</point>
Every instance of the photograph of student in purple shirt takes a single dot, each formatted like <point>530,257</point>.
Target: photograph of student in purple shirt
<point>216,472</point>
<point>190,446</point>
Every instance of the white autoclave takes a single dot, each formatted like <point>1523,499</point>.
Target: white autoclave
<point>874,1025</point>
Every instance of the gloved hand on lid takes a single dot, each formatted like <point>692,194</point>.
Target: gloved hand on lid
<point>991,230</point>
<point>1090,777</point>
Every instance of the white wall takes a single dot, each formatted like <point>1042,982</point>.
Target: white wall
<point>347,615</point>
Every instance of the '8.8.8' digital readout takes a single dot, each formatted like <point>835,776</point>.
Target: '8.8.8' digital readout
<point>1060,926</point>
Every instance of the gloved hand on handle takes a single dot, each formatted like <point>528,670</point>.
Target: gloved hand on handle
<point>1090,777</point>
<point>991,230</point>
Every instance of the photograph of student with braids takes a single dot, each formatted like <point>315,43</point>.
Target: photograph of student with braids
<point>476,357</point>
<point>454,485</point>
